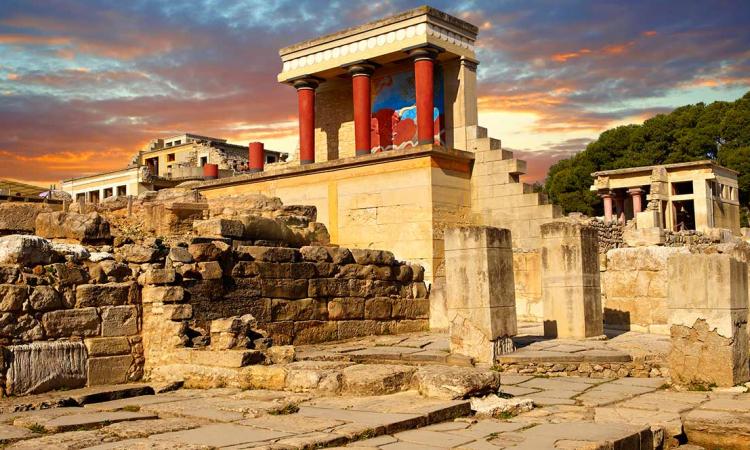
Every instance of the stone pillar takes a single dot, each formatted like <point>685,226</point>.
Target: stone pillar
<point>306,100</point>
<point>424,70</point>
<point>570,281</point>
<point>607,200</point>
<point>708,307</point>
<point>361,74</point>
<point>635,196</point>
<point>480,291</point>
<point>257,156</point>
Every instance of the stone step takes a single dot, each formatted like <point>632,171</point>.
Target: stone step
<point>75,397</point>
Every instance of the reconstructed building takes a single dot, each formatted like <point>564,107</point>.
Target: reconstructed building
<point>696,195</point>
<point>165,163</point>
<point>391,153</point>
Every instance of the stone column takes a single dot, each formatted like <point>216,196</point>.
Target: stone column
<point>361,74</point>
<point>480,291</point>
<point>306,100</point>
<point>620,203</point>
<point>424,69</point>
<point>708,307</point>
<point>257,155</point>
<point>635,196</point>
<point>570,281</point>
<point>607,199</point>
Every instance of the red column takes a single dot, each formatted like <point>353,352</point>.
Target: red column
<point>257,156</point>
<point>306,97</point>
<point>424,67</point>
<point>362,109</point>
<point>607,198</point>
<point>635,195</point>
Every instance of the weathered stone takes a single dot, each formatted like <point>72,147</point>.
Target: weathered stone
<point>219,227</point>
<point>71,322</point>
<point>340,256</point>
<point>304,309</point>
<point>210,270</point>
<point>271,254</point>
<point>109,369</point>
<point>162,294</point>
<point>158,276</point>
<point>44,298</point>
<point>110,271</point>
<point>376,257</point>
<point>119,320</point>
<point>348,329</point>
<point>12,297</point>
<point>138,254</point>
<point>69,275</point>
<point>455,382</point>
<point>494,406</point>
<point>110,294</point>
<point>417,308</point>
<point>346,308</point>
<point>329,287</point>
<point>206,251</point>
<point>371,379</point>
<point>20,218</point>
<point>25,250</point>
<point>87,228</point>
<point>378,308</point>
<point>100,256</point>
<point>178,312</point>
<point>281,354</point>
<point>42,366</point>
<point>313,331</point>
<point>107,346</point>
<point>315,254</point>
<point>71,252</point>
<point>9,274</point>
<point>284,288</point>
<point>181,255</point>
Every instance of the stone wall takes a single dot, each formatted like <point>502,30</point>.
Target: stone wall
<point>634,288</point>
<point>527,273</point>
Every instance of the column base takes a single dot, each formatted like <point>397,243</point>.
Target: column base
<point>306,161</point>
<point>363,152</point>
<point>254,170</point>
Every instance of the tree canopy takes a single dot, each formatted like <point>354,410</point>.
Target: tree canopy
<point>719,131</point>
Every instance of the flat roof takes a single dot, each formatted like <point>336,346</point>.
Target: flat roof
<point>22,188</point>
<point>94,175</point>
<point>414,12</point>
<point>629,170</point>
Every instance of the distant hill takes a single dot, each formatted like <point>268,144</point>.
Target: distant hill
<point>719,131</point>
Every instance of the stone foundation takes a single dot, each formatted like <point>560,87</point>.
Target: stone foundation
<point>586,369</point>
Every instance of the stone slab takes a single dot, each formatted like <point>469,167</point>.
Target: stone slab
<point>220,435</point>
<point>93,419</point>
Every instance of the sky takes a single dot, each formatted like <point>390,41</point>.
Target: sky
<point>85,84</point>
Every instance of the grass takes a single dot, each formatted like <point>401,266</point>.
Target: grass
<point>367,434</point>
<point>700,387</point>
<point>130,408</point>
<point>504,415</point>
<point>289,408</point>
<point>37,428</point>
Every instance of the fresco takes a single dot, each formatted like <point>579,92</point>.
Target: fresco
<point>394,117</point>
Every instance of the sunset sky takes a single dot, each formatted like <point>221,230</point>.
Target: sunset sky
<point>84,84</point>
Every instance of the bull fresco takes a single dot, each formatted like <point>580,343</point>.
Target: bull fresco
<point>394,117</point>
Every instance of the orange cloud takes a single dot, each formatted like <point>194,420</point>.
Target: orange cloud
<point>563,57</point>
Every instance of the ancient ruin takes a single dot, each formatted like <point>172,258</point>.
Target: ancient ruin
<point>397,286</point>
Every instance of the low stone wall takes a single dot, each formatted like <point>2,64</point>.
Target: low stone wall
<point>634,288</point>
<point>610,234</point>
<point>643,369</point>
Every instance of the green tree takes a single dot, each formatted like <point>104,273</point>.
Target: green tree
<point>719,131</point>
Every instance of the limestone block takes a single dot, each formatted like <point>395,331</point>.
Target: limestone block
<point>71,252</point>
<point>348,329</point>
<point>12,297</point>
<point>110,270</point>
<point>43,366</point>
<point>158,276</point>
<point>340,256</point>
<point>25,250</point>
<point>570,280</point>
<point>210,270</point>
<point>108,369</point>
<point>71,322</point>
<point>329,287</point>
<point>346,308</point>
<point>648,220</point>
<point>88,228</point>
<point>305,309</point>
<point>178,312</point>
<point>271,254</point>
<point>377,257</point>
<point>314,331</point>
<point>378,308</point>
<point>643,236</point>
<point>109,294</point>
<point>107,346</point>
<point>20,218</point>
<point>643,258</point>
<point>162,294</point>
<point>138,254</point>
<point>9,273</point>
<point>206,251</point>
<point>219,227</point>
<point>180,254</point>
<point>480,290</point>
<point>43,298</point>
<point>284,288</point>
<point>418,308</point>
<point>119,320</point>
<point>315,254</point>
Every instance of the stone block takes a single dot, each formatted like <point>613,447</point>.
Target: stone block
<point>138,254</point>
<point>109,294</point>
<point>417,308</point>
<point>180,255</point>
<point>284,288</point>
<point>375,257</point>
<point>378,308</point>
<point>109,369</point>
<point>643,236</point>
<point>25,250</point>
<point>340,256</point>
<point>42,366</point>
<point>296,310</point>
<point>346,308</point>
<point>158,276</point>
<point>119,320</point>
<point>107,346</point>
<point>219,228</point>
<point>71,322</point>
<point>314,331</point>
<point>479,281</point>
<point>12,297</point>
<point>271,254</point>
<point>88,228</point>
<point>163,294</point>
<point>207,251</point>
<point>69,275</point>
<point>178,312</point>
<point>16,217</point>
<point>570,280</point>
<point>348,329</point>
<point>315,254</point>
<point>210,270</point>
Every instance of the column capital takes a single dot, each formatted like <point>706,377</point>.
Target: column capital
<point>306,82</point>
<point>605,194</point>
<point>424,51</point>
<point>635,191</point>
<point>469,63</point>
<point>363,67</point>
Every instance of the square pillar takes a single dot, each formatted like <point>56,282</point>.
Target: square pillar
<point>571,291</point>
<point>708,307</point>
<point>480,291</point>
